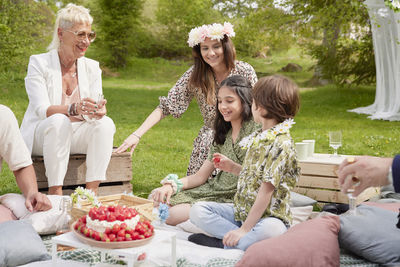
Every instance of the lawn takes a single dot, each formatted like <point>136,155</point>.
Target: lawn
<point>166,148</point>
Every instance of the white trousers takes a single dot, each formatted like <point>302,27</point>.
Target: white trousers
<point>57,137</point>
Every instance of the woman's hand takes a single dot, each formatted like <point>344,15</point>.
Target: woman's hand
<point>163,194</point>
<point>131,142</point>
<point>232,238</point>
<point>226,164</point>
<point>92,109</point>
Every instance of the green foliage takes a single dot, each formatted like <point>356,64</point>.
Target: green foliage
<point>174,29</point>
<point>264,30</point>
<point>24,27</point>
<point>337,34</point>
<point>132,97</point>
<point>237,8</point>
<point>118,24</point>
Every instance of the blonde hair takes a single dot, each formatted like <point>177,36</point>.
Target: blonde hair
<point>67,17</point>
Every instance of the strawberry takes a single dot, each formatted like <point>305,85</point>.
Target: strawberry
<point>147,234</point>
<point>111,208</point>
<point>108,231</point>
<point>216,160</point>
<point>135,235</point>
<point>121,232</point>
<point>111,218</point>
<point>88,232</point>
<point>97,236</point>
<point>128,239</point>
<point>121,217</point>
<point>123,226</point>
<point>128,236</point>
<point>104,237</point>
<point>112,237</point>
<point>120,238</point>
<point>115,228</point>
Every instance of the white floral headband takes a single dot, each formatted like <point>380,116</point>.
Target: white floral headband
<point>214,31</point>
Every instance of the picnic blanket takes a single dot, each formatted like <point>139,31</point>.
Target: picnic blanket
<point>188,255</point>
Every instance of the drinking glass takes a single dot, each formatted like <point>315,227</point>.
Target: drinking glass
<point>335,141</point>
<point>98,99</point>
<point>352,200</point>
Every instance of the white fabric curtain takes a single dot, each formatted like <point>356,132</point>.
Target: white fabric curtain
<point>386,40</point>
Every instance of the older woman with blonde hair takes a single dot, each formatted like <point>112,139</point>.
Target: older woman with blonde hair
<point>66,111</point>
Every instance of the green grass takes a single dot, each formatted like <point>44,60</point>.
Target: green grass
<point>166,147</point>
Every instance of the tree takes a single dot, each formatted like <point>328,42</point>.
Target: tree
<point>338,35</point>
<point>119,23</point>
<point>24,27</point>
<point>174,29</point>
<point>266,28</point>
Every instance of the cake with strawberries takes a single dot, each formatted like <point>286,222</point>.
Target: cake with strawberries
<point>114,223</point>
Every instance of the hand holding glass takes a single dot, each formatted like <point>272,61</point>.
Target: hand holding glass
<point>99,102</point>
<point>335,141</point>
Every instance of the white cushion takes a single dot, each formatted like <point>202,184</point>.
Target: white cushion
<point>44,222</point>
<point>301,214</point>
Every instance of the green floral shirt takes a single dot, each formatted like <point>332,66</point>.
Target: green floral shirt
<point>222,187</point>
<point>270,157</point>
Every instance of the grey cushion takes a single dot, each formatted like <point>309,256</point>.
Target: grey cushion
<point>20,244</point>
<point>372,235</point>
<point>299,200</point>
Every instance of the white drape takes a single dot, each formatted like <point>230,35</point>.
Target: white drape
<point>386,40</point>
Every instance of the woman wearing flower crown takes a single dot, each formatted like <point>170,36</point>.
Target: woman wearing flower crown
<point>214,60</point>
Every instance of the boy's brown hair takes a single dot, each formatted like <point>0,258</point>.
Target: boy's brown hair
<point>278,95</point>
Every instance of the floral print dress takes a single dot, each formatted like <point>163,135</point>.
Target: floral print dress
<point>222,187</point>
<point>178,100</point>
<point>270,157</point>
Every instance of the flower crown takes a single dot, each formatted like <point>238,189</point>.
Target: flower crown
<point>214,31</point>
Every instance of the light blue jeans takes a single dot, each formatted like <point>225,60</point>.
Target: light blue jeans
<point>217,219</point>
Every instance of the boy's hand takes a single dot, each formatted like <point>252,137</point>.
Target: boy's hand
<point>232,238</point>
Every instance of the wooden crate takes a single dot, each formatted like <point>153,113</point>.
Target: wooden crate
<point>143,206</point>
<point>119,174</point>
<point>319,180</point>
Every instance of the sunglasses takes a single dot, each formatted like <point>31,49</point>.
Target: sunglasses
<point>82,35</point>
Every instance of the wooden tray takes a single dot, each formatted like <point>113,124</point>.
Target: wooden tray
<point>110,245</point>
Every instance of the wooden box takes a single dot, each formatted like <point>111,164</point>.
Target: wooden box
<point>119,174</point>
<point>143,206</point>
<point>319,180</point>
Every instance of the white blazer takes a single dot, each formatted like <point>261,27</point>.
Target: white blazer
<point>43,85</point>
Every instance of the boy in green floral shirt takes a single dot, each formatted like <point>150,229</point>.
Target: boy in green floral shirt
<point>261,204</point>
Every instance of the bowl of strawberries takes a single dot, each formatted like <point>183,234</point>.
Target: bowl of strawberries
<point>113,227</point>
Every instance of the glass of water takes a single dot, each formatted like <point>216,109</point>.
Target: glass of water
<point>335,141</point>
<point>99,101</point>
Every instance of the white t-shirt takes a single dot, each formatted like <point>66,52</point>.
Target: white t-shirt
<point>12,147</point>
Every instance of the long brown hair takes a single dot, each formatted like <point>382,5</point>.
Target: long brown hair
<point>242,88</point>
<point>203,75</point>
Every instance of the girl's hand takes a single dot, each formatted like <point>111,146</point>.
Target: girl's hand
<point>163,194</point>
<point>131,142</point>
<point>232,238</point>
<point>223,163</point>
